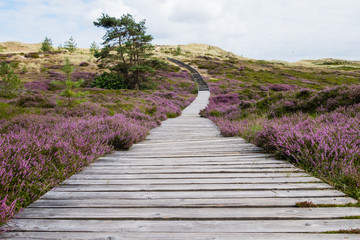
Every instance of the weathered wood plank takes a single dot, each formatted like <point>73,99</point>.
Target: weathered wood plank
<point>201,202</point>
<point>188,213</point>
<point>265,226</point>
<point>194,170</point>
<point>179,162</point>
<point>195,155</point>
<point>194,181</point>
<point>115,176</point>
<point>55,194</point>
<point>188,187</point>
<point>184,166</point>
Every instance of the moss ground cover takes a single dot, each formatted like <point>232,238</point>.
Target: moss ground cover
<point>308,115</point>
<point>43,142</point>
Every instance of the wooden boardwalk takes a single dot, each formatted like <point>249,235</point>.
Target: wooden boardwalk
<point>187,182</point>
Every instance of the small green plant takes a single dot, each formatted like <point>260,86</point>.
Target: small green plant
<point>69,85</point>
<point>46,45</point>
<point>177,52</point>
<point>24,69</point>
<point>70,45</point>
<point>11,84</point>
<point>305,204</point>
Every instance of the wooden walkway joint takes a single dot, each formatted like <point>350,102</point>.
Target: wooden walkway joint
<point>187,182</point>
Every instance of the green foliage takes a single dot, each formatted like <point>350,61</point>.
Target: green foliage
<point>46,45</point>
<point>157,64</point>
<point>11,84</point>
<point>8,111</point>
<point>32,55</point>
<point>94,48</point>
<point>126,48</point>
<point>171,115</point>
<point>109,81</point>
<point>70,45</point>
<point>68,85</point>
<point>24,69</point>
<point>177,52</point>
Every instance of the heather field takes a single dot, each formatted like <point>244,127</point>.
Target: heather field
<point>44,139</point>
<point>306,112</point>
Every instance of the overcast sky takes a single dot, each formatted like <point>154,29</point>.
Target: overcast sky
<point>288,30</point>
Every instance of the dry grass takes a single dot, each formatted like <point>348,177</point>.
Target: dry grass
<point>18,47</point>
<point>33,69</point>
<point>194,50</point>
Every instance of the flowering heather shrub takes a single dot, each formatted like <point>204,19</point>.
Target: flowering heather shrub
<point>88,78</point>
<point>55,148</point>
<point>35,100</point>
<point>83,110</point>
<point>54,66</point>
<point>328,145</point>
<point>37,86</point>
<point>281,87</point>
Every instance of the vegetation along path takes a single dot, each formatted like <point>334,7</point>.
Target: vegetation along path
<point>188,182</point>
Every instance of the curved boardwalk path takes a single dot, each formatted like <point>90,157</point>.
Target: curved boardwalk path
<point>187,182</point>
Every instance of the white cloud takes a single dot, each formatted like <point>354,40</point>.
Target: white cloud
<point>263,29</point>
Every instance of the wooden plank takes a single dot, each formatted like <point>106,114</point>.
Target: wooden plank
<point>194,181</point>
<point>195,155</point>
<point>201,202</point>
<point>201,141</point>
<point>54,194</point>
<point>116,176</point>
<point>188,187</point>
<point>115,163</point>
<point>190,160</point>
<point>174,236</point>
<point>265,226</point>
<point>184,166</point>
<point>194,170</point>
<point>188,213</point>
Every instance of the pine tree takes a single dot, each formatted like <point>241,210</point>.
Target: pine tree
<point>46,45</point>
<point>70,45</point>
<point>126,48</point>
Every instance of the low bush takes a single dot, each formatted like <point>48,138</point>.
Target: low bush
<point>109,81</point>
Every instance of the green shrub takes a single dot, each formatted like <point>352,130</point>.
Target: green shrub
<point>171,115</point>
<point>177,52</point>
<point>11,84</point>
<point>69,85</point>
<point>70,45</point>
<point>109,81</point>
<point>46,45</point>
<point>32,55</point>
<point>157,64</point>
<point>215,113</point>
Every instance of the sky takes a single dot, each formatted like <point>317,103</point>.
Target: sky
<point>288,30</point>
